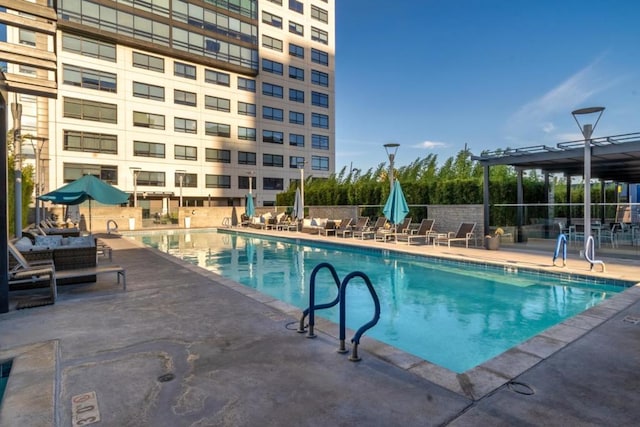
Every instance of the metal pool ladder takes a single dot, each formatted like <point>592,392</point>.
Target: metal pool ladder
<point>340,299</point>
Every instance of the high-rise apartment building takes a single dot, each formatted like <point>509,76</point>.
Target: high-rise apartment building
<point>192,99</point>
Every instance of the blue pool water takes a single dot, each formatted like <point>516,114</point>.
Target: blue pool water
<point>5,368</point>
<point>457,315</point>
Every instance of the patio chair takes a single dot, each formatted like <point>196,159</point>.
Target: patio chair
<point>344,225</point>
<point>384,234</point>
<point>464,234</point>
<point>424,231</point>
<point>370,231</point>
<point>33,272</point>
<point>361,224</point>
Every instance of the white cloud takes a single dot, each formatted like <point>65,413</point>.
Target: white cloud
<point>548,127</point>
<point>430,145</point>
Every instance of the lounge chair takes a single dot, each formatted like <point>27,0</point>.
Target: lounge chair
<point>386,234</point>
<point>362,223</point>
<point>464,233</point>
<point>32,272</point>
<point>424,231</point>
<point>344,225</point>
<point>370,231</point>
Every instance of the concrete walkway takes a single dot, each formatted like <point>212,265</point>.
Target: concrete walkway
<point>184,347</point>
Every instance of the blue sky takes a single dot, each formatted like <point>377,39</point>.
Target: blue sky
<point>433,75</point>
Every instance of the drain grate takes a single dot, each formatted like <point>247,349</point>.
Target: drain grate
<point>633,319</point>
<point>166,377</point>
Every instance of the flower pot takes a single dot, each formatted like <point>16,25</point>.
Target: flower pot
<point>492,243</point>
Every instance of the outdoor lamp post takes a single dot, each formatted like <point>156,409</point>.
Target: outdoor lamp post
<point>391,149</point>
<point>250,173</point>
<point>301,167</point>
<point>587,131</point>
<point>38,145</point>
<point>181,180</point>
<point>135,171</point>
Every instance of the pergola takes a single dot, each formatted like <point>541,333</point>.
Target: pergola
<point>613,158</point>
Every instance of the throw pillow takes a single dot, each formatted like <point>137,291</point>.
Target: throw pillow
<point>24,244</point>
<point>49,241</point>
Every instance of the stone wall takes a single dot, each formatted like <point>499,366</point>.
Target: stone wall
<point>449,217</point>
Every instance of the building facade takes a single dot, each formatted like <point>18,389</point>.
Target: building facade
<point>187,101</point>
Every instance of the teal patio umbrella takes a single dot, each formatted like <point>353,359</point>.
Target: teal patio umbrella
<point>396,207</point>
<point>86,188</point>
<point>249,210</point>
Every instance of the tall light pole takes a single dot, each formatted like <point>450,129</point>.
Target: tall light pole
<point>38,145</point>
<point>391,149</point>
<point>181,179</point>
<point>251,173</point>
<point>587,131</point>
<point>16,112</point>
<point>301,167</point>
<point>135,171</point>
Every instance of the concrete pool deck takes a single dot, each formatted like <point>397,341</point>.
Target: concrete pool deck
<point>184,347</point>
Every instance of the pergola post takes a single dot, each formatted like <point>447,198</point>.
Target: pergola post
<point>520,208</point>
<point>485,199</point>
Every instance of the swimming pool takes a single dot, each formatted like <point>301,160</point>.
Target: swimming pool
<point>454,314</point>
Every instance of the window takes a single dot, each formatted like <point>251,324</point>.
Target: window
<point>271,113</point>
<point>272,183</point>
<point>184,70</point>
<point>246,109</point>
<point>89,47</point>
<point>296,95</point>
<point>319,57</point>
<point>185,125</point>
<point>151,179</point>
<point>272,137</point>
<point>89,142</point>
<point>296,140</point>
<point>246,134</point>
<point>319,35</point>
<point>320,142</point>
<point>143,90</point>
<point>271,43</point>
<point>319,78</point>
<point>296,6</point>
<point>296,118</point>
<point>218,104</point>
<point>243,182</point>
<point>217,156</point>
<point>27,37</point>
<point>296,73</point>
<point>188,179</point>
<point>319,163</point>
<point>296,28</point>
<point>246,84</point>
<point>217,78</point>
<point>295,161</point>
<point>73,171</point>
<point>272,90</point>
<point>319,14</point>
<point>148,149</point>
<point>184,152</point>
<point>90,110</point>
<point>272,67</point>
<point>217,129</point>
<point>278,2</point>
<point>271,19</point>
<point>319,120</point>
<point>184,98</point>
<point>295,50</point>
<point>274,160</point>
<point>148,120</point>
<point>246,158</point>
<point>88,78</point>
<point>148,62</point>
<point>320,99</point>
<point>217,181</point>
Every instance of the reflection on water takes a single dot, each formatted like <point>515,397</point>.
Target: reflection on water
<point>455,317</point>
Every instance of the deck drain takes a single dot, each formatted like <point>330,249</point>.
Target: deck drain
<point>166,377</point>
<point>520,388</point>
<point>632,319</point>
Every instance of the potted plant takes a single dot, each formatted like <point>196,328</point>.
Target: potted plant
<point>492,242</point>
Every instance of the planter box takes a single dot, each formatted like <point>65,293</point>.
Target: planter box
<point>492,243</point>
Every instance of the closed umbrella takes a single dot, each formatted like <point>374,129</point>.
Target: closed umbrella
<point>88,188</point>
<point>249,209</point>
<point>396,207</point>
<point>298,208</point>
